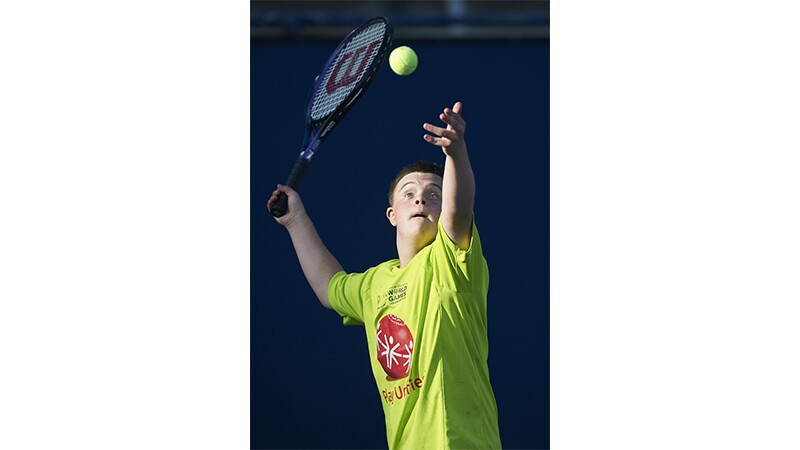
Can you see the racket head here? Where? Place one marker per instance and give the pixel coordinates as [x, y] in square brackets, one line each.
[348, 71]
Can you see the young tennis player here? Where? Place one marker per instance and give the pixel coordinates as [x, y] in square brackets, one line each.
[424, 313]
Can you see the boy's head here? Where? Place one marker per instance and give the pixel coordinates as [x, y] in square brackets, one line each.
[415, 203]
[419, 166]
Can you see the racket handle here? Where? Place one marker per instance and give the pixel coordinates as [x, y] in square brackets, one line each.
[282, 204]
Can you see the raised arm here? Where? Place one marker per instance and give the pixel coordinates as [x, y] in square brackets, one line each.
[318, 264]
[458, 190]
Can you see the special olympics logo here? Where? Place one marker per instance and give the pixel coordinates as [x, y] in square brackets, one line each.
[395, 346]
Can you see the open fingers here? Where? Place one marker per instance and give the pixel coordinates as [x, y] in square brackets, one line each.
[446, 135]
[452, 133]
[439, 141]
[452, 117]
[453, 121]
[439, 131]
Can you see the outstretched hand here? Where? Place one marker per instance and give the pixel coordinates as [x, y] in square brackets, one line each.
[451, 138]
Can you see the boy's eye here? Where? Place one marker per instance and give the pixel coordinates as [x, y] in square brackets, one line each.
[434, 195]
[408, 195]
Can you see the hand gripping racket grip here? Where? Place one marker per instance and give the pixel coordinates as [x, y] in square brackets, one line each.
[282, 204]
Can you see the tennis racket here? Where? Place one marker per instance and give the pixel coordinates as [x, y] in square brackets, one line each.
[342, 81]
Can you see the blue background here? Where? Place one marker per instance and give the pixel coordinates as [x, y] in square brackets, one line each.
[311, 383]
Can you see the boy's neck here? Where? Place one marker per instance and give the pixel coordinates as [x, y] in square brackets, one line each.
[406, 251]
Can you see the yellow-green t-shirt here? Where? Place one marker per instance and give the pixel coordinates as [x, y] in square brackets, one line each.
[426, 330]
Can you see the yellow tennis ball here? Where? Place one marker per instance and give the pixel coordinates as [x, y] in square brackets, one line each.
[403, 60]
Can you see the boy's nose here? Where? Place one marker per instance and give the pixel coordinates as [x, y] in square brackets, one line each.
[421, 200]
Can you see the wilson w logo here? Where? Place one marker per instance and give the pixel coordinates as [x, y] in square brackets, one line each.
[351, 65]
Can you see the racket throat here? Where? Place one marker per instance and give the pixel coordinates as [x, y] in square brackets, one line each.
[309, 151]
[328, 127]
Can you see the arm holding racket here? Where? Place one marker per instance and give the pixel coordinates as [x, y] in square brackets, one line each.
[317, 262]
[458, 184]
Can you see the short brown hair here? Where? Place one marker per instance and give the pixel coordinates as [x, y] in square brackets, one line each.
[418, 166]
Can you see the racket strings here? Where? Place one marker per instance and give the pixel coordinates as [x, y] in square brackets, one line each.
[324, 103]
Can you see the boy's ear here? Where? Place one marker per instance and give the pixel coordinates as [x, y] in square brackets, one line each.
[390, 216]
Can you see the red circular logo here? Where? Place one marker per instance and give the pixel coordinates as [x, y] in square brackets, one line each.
[395, 346]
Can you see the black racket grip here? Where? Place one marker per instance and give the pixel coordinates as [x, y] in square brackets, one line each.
[282, 204]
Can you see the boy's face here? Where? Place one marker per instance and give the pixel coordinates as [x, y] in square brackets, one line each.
[416, 207]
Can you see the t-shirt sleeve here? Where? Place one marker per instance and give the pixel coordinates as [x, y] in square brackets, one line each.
[466, 269]
[346, 292]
